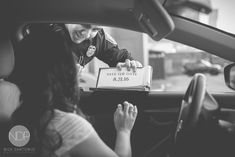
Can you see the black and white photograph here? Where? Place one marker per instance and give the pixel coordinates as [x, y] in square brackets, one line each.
[117, 78]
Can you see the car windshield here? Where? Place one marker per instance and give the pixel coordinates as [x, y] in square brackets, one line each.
[215, 13]
[173, 63]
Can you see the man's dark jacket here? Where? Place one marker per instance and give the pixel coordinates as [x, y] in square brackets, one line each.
[106, 49]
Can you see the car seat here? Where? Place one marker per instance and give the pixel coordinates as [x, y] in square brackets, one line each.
[6, 56]
[9, 92]
[6, 67]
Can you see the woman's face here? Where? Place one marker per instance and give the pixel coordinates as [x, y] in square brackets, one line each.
[78, 33]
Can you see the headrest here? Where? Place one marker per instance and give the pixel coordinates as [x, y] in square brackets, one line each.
[6, 56]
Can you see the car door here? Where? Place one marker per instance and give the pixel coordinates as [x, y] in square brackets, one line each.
[159, 108]
[158, 112]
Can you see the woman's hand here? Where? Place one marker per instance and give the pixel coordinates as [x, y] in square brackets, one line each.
[124, 117]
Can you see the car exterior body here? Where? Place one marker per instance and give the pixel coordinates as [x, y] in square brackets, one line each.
[202, 66]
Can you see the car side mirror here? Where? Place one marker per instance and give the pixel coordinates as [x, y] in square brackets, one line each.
[229, 75]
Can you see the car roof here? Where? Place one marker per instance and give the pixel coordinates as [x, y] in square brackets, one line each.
[128, 14]
[107, 12]
[118, 13]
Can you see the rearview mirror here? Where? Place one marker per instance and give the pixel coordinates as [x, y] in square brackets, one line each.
[229, 75]
[153, 18]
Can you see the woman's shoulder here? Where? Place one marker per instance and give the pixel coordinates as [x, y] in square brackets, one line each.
[73, 129]
[68, 119]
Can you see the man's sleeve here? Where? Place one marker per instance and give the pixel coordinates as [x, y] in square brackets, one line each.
[109, 51]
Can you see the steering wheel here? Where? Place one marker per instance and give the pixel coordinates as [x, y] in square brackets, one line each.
[191, 106]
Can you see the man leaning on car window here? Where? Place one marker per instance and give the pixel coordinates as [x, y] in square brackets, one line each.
[88, 41]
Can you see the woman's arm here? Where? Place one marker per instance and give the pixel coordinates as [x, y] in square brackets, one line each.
[123, 145]
[93, 146]
[124, 119]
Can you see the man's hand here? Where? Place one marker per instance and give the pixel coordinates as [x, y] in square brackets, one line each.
[129, 65]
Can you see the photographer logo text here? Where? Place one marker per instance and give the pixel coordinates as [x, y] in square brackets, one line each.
[19, 136]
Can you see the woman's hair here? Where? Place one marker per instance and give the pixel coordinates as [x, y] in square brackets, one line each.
[46, 75]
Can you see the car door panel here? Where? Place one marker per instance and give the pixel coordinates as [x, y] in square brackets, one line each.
[157, 116]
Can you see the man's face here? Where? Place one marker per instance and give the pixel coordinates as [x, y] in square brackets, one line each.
[78, 33]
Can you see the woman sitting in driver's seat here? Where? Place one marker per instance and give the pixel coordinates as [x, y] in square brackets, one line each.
[46, 74]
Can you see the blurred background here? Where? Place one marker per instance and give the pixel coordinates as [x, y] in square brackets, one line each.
[173, 63]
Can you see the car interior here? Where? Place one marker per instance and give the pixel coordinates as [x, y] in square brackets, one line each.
[193, 123]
